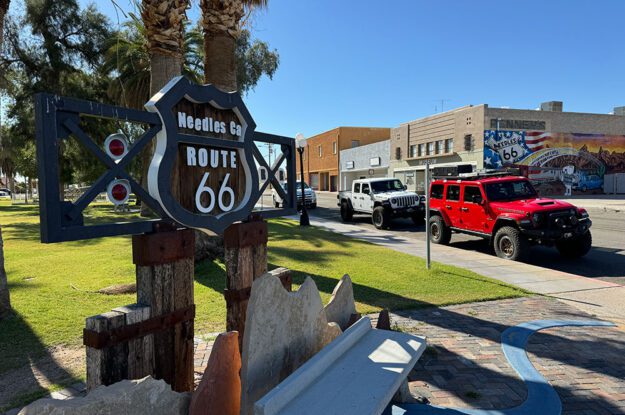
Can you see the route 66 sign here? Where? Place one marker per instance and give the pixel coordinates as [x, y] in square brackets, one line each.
[203, 171]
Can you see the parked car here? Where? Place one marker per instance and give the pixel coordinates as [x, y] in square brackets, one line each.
[383, 199]
[311, 196]
[588, 182]
[507, 211]
[4, 194]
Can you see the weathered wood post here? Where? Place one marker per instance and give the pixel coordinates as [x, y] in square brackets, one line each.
[245, 254]
[164, 261]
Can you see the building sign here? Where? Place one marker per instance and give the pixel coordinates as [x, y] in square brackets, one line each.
[375, 161]
[349, 164]
[517, 124]
[201, 173]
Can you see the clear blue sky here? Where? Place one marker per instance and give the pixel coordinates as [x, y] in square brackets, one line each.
[371, 63]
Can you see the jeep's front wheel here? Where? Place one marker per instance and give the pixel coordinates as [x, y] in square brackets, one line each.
[439, 232]
[510, 244]
[576, 247]
[381, 218]
[346, 212]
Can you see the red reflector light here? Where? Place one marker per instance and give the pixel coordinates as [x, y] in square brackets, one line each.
[116, 147]
[119, 192]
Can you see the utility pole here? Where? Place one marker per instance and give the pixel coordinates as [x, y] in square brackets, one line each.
[427, 214]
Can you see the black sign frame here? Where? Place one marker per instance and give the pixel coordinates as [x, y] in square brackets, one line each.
[57, 118]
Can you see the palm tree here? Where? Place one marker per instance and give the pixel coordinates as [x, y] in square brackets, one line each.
[163, 21]
[221, 20]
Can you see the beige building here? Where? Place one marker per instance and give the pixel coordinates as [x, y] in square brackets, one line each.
[543, 141]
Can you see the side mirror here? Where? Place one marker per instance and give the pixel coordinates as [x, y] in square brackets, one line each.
[365, 191]
[477, 199]
[405, 187]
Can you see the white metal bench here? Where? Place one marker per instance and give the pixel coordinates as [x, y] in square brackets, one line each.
[358, 373]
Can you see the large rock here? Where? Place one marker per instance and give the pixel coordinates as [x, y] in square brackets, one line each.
[145, 396]
[219, 392]
[208, 246]
[342, 307]
[282, 331]
[5, 302]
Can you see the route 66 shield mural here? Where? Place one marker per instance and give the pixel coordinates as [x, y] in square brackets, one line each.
[202, 172]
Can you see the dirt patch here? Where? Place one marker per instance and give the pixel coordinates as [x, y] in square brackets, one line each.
[118, 289]
[61, 365]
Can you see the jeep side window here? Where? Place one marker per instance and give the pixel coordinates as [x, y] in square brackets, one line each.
[453, 192]
[357, 188]
[470, 192]
[365, 188]
[436, 192]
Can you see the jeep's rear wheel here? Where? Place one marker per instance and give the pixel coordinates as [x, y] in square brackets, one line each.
[381, 218]
[346, 212]
[417, 218]
[510, 244]
[576, 247]
[439, 232]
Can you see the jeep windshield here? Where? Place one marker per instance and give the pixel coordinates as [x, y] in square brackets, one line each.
[382, 186]
[509, 190]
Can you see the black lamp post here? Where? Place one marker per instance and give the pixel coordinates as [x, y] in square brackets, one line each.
[300, 143]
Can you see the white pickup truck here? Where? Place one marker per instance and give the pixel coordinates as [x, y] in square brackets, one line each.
[383, 199]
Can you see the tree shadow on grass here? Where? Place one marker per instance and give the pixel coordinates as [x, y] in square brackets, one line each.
[22, 210]
[283, 230]
[24, 359]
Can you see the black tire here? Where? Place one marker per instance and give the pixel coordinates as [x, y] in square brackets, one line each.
[418, 218]
[346, 212]
[381, 218]
[576, 247]
[439, 231]
[510, 244]
[276, 204]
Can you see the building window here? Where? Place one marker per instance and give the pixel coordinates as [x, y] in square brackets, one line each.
[320, 152]
[421, 151]
[439, 147]
[334, 147]
[430, 148]
[397, 153]
[413, 150]
[355, 143]
[468, 142]
[449, 145]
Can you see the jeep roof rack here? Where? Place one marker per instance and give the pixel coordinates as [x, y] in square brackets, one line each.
[482, 174]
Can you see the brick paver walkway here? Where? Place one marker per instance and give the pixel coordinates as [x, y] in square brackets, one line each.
[465, 367]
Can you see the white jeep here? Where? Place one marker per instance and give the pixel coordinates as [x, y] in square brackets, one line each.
[383, 199]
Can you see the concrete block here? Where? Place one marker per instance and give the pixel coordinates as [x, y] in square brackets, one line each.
[282, 331]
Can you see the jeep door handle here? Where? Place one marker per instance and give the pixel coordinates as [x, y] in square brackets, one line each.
[448, 207]
[464, 209]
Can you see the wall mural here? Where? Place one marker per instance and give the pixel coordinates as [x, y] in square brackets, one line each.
[557, 163]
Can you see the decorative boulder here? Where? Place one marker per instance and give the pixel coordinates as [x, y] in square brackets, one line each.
[342, 307]
[282, 331]
[219, 391]
[145, 396]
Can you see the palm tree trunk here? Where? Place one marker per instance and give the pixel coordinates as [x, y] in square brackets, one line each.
[5, 301]
[162, 69]
[220, 67]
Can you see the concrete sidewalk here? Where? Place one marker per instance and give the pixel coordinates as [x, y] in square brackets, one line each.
[594, 202]
[594, 296]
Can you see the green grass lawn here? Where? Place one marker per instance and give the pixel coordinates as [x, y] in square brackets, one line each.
[53, 287]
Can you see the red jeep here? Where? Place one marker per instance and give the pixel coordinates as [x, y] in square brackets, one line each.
[507, 211]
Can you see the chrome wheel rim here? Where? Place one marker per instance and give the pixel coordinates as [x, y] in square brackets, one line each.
[435, 231]
[377, 218]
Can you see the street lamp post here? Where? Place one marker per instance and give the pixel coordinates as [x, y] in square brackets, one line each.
[300, 142]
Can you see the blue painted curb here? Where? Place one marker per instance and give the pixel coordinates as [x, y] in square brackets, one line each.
[542, 398]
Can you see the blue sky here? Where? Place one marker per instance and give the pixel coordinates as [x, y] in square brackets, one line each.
[366, 63]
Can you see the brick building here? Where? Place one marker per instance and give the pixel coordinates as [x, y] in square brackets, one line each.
[322, 153]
